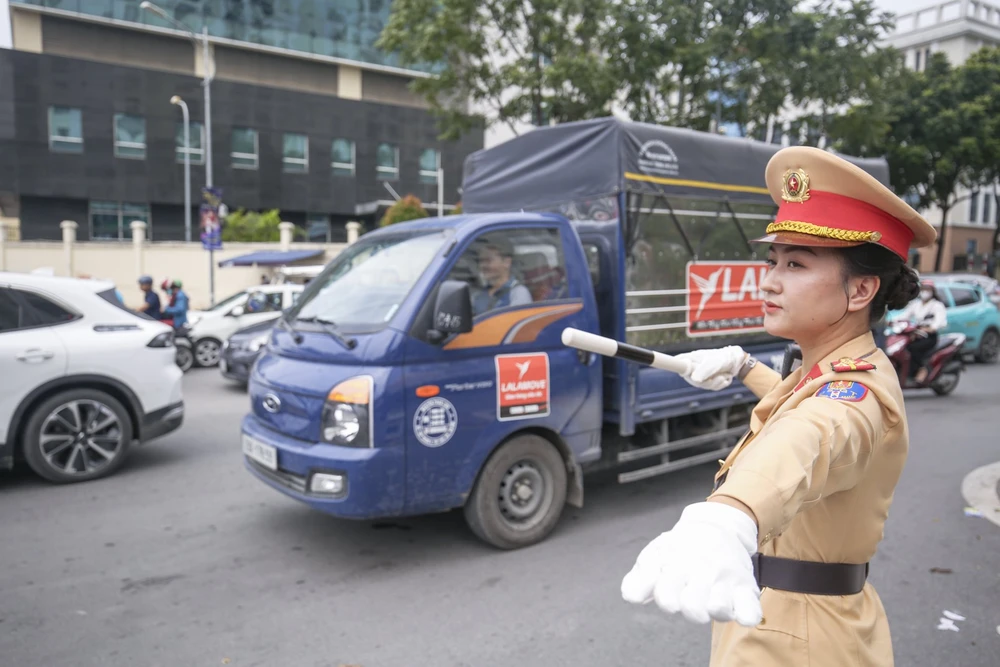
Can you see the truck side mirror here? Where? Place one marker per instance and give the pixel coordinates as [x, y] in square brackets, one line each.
[237, 311]
[452, 310]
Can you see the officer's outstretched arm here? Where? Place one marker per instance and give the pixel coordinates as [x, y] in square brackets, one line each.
[761, 379]
[820, 447]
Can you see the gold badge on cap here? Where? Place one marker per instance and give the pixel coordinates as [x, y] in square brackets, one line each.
[795, 186]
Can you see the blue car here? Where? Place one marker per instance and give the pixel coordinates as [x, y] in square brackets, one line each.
[970, 312]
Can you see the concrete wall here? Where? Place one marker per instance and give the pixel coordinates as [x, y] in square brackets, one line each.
[119, 262]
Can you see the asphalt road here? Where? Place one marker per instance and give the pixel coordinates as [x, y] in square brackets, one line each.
[184, 560]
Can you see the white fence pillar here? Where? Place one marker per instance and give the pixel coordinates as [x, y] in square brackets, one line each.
[286, 229]
[353, 231]
[68, 228]
[138, 228]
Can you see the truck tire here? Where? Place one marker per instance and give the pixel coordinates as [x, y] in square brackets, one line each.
[77, 435]
[519, 495]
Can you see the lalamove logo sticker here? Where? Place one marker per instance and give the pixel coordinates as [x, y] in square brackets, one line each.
[522, 386]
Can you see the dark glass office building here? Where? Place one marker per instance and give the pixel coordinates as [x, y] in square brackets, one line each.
[307, 116]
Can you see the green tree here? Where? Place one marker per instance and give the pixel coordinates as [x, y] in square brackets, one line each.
[683, 62]
[407, 208]
[981, 83]
[244, 226]
[929, 132]
[520, 61]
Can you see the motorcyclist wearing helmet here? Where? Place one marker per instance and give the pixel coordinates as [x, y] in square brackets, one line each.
[930, 316]
[178, 308]
[151, 303]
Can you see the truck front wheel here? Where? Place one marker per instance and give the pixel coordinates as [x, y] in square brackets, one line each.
[520, 493]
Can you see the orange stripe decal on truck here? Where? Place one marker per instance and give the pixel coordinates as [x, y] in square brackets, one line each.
[518, 326]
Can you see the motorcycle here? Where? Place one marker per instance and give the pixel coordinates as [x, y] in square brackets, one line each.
[183, 345]
[944, 362]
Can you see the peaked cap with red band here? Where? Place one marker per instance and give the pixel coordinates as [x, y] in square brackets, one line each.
[824, 200]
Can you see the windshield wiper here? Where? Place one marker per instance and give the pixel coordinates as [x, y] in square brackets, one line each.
[287, 326]
[331, 328]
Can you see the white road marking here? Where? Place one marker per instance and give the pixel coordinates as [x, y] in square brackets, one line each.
[979, 488]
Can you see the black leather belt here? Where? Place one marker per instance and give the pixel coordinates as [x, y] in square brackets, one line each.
[802, 576]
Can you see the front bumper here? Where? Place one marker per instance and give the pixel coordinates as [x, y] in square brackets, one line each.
[236, 364]
[375, 477]
[160, 422]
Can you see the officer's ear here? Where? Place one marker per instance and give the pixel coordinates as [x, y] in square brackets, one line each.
[861, 291]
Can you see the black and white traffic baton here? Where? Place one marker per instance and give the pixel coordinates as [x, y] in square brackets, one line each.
[609, 347]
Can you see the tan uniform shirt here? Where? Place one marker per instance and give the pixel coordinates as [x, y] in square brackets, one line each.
[819, 474]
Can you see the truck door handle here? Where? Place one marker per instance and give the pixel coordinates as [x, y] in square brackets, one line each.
[584, 357]
[34, 354]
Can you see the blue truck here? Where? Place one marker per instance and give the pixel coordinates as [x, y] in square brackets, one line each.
[422, 370]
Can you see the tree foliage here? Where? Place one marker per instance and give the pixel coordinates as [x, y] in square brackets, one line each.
[244, 226]
[407, 208]
[674, 62]
[980, 83]
[931, 126]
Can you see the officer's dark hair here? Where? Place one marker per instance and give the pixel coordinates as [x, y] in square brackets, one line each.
[899, 284]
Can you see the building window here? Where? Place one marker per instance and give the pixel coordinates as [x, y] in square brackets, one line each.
[318, 228]
[197, 139]
[130, 136]
[111, 220]
[343, 157]
[387, 162]
[974, 207]
[430, 162]
[916, 60]
[245, 148]
[65, 130]
[987, 206]
[295, 154]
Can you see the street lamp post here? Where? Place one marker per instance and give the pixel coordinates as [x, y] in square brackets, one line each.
[206, 80]
[176, 100]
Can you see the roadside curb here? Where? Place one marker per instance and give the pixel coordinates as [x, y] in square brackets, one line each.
[981, 490]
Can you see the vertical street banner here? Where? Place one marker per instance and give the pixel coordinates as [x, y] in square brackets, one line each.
[724, 297]
[210, 222]
[522, 386]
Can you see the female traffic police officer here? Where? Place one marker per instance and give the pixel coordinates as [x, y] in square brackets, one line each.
[782, 545]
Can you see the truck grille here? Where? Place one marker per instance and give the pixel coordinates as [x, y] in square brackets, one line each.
[288, 480]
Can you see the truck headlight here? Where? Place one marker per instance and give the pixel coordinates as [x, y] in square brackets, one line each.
[347, 414]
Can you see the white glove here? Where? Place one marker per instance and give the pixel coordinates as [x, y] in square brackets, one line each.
[714, 369]
[701, 567]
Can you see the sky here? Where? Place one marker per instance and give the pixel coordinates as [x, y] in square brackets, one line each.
[894, 6]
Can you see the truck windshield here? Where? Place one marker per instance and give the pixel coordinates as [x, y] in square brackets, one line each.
[361, 289]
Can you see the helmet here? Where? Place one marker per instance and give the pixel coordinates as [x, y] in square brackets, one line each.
[145, 280]
[165, 285]
[177, 283]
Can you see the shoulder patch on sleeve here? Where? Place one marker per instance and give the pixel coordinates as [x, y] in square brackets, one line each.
[840, 390]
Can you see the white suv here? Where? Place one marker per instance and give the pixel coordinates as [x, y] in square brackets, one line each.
[210, 329]
[83, 377]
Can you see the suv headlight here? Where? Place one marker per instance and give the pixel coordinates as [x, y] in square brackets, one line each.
[165, 339]
[347, 414]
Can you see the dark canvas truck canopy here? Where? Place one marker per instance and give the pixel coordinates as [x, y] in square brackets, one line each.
[607, 156]
[685, 205]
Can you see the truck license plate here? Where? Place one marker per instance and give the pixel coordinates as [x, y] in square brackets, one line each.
[266, 455]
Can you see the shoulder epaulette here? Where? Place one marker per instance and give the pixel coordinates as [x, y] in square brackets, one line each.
[847, 365]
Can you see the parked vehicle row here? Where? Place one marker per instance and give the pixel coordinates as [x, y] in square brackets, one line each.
[971, 312]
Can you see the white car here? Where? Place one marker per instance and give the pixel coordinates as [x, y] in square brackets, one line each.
[210, 328]
[84, 378]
